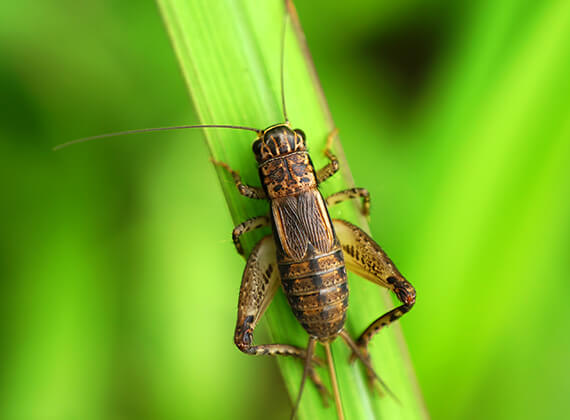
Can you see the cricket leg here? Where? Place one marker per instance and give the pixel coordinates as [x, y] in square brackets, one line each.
[334, 382]
[248, 226]
[365, 359]
[364, 257]
[248, 191]
[332, 168]
[306, 370]
[348, 194]
[258, 287]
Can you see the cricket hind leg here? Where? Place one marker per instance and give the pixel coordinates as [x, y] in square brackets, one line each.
[248, 191]
[365, 258]
[258, 287]
[351, 193]
[365, 359]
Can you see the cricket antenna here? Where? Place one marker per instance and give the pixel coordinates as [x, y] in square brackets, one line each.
[146, 130]
[285, 19]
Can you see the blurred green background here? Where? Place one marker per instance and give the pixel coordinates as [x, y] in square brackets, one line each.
[119, 279]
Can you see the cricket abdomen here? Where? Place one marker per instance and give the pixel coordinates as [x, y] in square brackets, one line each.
[317, 291]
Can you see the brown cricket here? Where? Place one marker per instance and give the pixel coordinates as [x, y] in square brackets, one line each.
[307, 253]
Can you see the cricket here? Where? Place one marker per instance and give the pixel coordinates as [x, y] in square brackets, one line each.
[307, 254]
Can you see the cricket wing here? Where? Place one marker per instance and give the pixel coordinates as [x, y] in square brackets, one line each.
[301, 220]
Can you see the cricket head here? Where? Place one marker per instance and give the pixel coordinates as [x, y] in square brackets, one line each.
[278, 140]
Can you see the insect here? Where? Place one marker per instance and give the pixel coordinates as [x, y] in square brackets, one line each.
[307, 254]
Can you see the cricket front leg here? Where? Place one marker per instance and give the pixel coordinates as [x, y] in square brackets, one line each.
[258, 287]
[248, 191]
[364, 257]
[333, 166]
[349, 194]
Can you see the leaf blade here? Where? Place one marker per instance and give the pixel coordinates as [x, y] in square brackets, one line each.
[229, 55]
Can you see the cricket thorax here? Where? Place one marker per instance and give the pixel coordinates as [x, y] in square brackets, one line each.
[288, 175]
[285, 167]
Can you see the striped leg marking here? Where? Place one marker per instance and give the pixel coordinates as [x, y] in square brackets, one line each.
[248, 226]
[364, 257]
[351, 193]
[258, 287]
[244, 189]
[332, 168]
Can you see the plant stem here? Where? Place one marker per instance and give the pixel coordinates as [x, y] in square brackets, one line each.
[229, 53]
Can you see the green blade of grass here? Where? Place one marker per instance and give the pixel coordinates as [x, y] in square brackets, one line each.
[229, 53]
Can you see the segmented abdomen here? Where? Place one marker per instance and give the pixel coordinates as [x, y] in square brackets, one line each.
[317, 292]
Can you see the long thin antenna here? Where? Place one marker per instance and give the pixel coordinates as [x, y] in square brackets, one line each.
[285, 19]
[146, 130]
[334, 383]
[308, 361]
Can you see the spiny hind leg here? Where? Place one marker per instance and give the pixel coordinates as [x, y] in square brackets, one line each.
[333, 166]
[248, 226]
[351, 193]
[259, 284]
[364, 257]
[244, 189]
[358, 352]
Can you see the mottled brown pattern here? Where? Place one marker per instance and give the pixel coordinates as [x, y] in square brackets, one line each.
[321, 298]
[306, 285]
[287, 175]
[259, 283]
[367, 259]
[292, 269]
[305, 255]
[318, 298]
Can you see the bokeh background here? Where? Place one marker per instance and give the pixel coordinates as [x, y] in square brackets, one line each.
[119, 281]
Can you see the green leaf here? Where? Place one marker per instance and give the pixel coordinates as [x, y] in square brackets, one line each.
[229, 52]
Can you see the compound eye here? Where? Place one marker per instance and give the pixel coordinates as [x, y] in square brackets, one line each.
[256, 147]
[301, 133]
